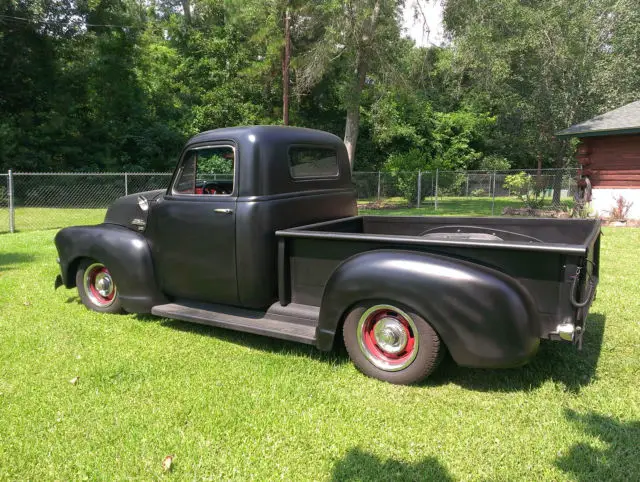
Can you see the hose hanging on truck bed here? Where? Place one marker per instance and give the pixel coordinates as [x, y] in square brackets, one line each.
[574, 288]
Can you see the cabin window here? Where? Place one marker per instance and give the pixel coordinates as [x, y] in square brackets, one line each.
[312, 162]
[206, 171]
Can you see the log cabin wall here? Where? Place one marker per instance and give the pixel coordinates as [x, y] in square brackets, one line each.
[611, 161]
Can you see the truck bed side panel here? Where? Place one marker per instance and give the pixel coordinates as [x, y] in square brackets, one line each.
[485, 318]
[312, 261]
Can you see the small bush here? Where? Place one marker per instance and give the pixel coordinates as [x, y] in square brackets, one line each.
[494, 163]
[451, 183]
[621, 209]
[524, 187]
[404, 167]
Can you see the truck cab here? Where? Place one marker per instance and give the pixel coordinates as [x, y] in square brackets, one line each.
[258, 231]
[231, 191]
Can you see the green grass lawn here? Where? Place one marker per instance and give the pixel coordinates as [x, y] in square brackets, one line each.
[240, 407]
[450, 206]
[31, 219]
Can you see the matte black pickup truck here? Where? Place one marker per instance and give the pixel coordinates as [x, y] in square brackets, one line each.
[258, 231]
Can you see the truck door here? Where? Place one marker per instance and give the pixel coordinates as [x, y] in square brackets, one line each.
[193, 235]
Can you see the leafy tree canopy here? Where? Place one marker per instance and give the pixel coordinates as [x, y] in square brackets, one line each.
[115, 85]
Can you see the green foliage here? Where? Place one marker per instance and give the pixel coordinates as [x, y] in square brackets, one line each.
[127, 92]
[524, 187]
[405, 167]
[541, 66]
[458, 139]
[494, 163]
[215, 164]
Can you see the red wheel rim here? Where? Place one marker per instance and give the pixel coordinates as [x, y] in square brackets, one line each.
[388, 337]
[99, 285]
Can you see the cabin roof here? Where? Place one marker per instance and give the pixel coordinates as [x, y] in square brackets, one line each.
[623, 120]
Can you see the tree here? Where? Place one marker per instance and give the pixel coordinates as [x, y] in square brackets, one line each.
[540, 66]
[361, 32]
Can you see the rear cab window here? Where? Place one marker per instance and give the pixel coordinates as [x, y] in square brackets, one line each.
[310, 162]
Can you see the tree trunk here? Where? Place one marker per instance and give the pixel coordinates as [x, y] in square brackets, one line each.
[557, 188]
[352, 126]
[186, 9]
[557, 180]
[285, 69]
[351, 132]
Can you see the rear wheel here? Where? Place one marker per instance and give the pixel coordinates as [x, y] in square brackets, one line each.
[392, 343]
[96, 287]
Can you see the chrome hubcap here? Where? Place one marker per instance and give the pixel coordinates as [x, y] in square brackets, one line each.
[103, 284]
[390, 335]
[99, 286]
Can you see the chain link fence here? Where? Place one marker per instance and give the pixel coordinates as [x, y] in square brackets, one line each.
[35, 201]
[548, 192]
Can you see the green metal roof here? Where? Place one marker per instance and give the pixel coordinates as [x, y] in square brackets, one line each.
[624, 120]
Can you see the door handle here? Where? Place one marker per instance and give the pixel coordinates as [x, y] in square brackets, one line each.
[223, 211]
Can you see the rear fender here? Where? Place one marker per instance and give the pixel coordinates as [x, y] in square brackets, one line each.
[126, 254]
[484, 317]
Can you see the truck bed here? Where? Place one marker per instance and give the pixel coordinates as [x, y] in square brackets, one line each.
[571, 236]
[543, 255]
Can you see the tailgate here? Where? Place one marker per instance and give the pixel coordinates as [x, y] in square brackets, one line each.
[585, 285]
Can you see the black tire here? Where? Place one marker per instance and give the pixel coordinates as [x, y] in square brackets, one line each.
[419, 363]
[94, 301]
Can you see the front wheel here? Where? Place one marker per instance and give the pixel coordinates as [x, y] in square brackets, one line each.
[96, 287]
[391, 343]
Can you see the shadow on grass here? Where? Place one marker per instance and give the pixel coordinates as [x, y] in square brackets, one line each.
[619, 460]
[8, 259]
[556, 361]
[359, 465]
[337, 356]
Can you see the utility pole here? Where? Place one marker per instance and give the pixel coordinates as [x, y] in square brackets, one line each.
[285, 67]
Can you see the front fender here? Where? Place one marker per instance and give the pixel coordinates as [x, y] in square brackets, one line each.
[485, 318]
[126, 254]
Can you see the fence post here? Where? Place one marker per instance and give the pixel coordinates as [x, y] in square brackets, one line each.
[419, 188]
[12, 213]
[467, 190]
[378, 185]
[435, 203]
[126, 184]
[432, 185]
[493, 194]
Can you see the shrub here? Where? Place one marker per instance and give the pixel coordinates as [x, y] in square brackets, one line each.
[524, 187]
[451, 183]
[494, 163]
[405, 167]
[621, 209]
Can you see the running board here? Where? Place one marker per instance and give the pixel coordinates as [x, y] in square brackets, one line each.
[292, 322]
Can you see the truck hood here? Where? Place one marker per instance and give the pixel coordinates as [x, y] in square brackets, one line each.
[125, 211]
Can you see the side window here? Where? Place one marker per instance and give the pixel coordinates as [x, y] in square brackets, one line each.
[207, 171]
[312, 162]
